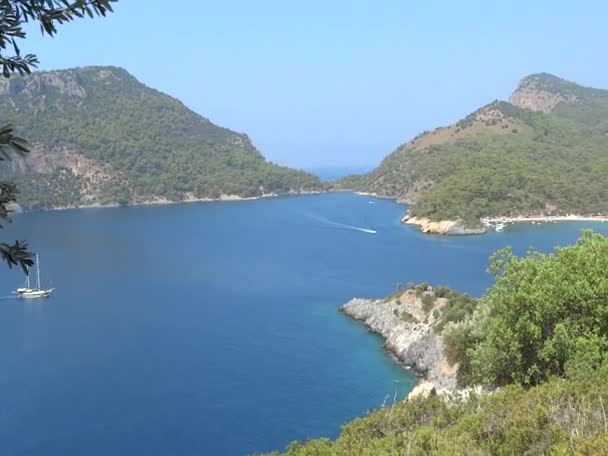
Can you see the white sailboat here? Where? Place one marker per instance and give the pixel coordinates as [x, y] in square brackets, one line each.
[38, 292]
[27, 286]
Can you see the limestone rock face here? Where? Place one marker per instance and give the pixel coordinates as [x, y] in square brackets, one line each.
[446, 227]
[66, 83]
[535, 100]
[542, 93]
[415, 344]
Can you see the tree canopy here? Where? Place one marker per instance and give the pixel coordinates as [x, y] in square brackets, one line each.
[546, 315]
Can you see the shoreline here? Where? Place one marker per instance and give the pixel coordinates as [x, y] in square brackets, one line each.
[442, 227]
[374, 195]
[488, 221]
[426, 225]
[456, 228]
[413, 345]
[166, 202]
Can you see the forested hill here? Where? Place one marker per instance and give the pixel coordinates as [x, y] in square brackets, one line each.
[100, 136]
[544, 152]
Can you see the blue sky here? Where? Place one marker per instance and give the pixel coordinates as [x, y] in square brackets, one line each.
[337, 83]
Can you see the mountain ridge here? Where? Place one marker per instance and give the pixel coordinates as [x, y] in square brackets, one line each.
[99, 136]
[541, 153]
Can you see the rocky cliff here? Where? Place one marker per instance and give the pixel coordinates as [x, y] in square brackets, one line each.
[444, 227]
[542, 93]
[409, 334]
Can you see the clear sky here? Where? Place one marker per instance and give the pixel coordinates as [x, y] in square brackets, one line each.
[343, 82]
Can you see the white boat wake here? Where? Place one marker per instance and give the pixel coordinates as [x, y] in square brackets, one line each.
[341, 225]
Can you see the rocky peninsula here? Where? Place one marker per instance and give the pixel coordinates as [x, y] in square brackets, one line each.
[456, 228]
[411, 324]
[445, 227]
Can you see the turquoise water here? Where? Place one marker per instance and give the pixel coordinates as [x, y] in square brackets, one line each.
[213, 328]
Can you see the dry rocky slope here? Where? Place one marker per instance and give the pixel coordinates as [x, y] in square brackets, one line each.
[540, 154]
[444, 227]
[411, 334]
[98, 136]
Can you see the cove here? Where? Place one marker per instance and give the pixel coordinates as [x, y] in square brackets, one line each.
[213, 328]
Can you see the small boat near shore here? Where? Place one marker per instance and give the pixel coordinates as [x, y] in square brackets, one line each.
[28, 292]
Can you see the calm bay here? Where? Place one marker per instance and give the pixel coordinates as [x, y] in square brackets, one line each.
[213, 328]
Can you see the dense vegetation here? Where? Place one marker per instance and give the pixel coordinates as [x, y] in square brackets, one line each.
[557, 418]
[546, 315]
[541, 335]
[503, 160]
[440, 305]
[101, 136]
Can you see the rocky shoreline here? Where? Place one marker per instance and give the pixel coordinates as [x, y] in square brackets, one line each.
[413, 342]
[456, 228]
[161, 201]
[444, 227]
[428, 226]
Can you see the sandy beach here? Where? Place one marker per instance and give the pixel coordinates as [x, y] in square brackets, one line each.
[545, 219]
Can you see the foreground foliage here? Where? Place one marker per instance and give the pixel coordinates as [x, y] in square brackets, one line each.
[559, 418]
[546, 315]
[540, 334]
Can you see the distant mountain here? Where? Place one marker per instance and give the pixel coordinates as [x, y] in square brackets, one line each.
[544, 152]
[99, 136]
[332, 173]
[549, 94]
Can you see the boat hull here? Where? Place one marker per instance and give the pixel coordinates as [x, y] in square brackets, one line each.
[35, 294]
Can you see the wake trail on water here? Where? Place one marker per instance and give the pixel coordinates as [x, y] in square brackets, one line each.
[342, 226]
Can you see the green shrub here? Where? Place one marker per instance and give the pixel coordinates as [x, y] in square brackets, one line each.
[557, 418]
[443, 292]
[427, 302]
[408, 317]
[456, 309]
[546, 314]
[422, 286]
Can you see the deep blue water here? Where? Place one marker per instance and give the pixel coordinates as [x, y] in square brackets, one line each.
[213, 329]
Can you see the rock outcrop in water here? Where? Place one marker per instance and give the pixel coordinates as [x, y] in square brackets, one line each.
[446, 227]
[410, 337]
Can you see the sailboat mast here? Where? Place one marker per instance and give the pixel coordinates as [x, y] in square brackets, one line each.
[38, 271]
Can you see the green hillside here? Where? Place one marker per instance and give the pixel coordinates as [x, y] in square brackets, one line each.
[100, 136]
[546, 153]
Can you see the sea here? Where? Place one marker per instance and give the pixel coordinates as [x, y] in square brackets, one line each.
[214, 328]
